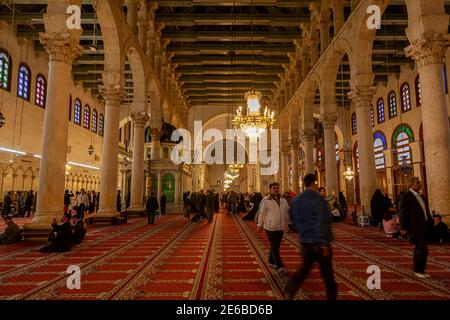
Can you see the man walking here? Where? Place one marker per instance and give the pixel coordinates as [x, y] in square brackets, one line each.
[273, 217]
[311, 215]
[82, 202]
[152, 206]
[415, 219]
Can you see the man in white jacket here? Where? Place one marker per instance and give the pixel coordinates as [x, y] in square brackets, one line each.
[273, 216]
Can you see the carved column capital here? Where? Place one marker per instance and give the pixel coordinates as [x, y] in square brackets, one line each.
[328, 120]
[112, 94]
[307, 134]
[362, 95]
[139, 118]
[61, 47]
[430, 49]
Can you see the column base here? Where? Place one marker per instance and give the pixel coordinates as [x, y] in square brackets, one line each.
[36, 231]
[139, 211]
[112, 217]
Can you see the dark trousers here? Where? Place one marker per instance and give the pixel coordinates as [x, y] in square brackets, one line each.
[80, 211]
[312, 253]
[420, 254]
[275, 238]
[151, 217]
[27, 211]
[209, 214]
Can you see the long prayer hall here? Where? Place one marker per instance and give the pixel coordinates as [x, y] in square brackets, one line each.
[208, 149]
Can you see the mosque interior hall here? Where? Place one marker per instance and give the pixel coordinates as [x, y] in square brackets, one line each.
[158, 129]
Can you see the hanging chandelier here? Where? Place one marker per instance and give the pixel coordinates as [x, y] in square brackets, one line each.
[231, 174]
[348, 174]
[253, 123]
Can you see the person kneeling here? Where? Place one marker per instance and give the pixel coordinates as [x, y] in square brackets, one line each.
[10, 235]
[440, 232]
[60, 238]
[390, 225]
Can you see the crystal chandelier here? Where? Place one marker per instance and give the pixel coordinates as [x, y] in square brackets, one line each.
[230, 174]
[253, 123]
[348, 174]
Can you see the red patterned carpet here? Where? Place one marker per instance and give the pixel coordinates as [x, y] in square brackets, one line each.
[227, 259]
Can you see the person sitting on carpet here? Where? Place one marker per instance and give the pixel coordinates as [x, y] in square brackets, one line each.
[9, 236]
[440, 234]
[60, 238]
[79, 230]
[390, 225]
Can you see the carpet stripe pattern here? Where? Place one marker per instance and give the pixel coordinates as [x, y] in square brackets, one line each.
[227, 259]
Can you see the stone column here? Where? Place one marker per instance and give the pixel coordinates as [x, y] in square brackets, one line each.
[324, 35]
[328, 122]
[284, 169]
[132, 14]
[62, 50]
[142, 34]
[156, 144]
[159, 191]
[338, 15]
[429, 53]
[151, 47]
[109, 164]
[308, 142]
[137, 173]
[361, 97]
[295, 163]
[305, 65]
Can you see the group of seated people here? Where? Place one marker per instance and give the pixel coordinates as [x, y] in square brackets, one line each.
[439, 234]
[62, 238]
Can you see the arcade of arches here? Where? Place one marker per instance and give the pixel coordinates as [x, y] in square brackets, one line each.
[95, 108]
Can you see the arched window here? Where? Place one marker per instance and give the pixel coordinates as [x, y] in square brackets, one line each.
[41, 90]
[406, 99]
[23, 82]
[401, 139]
[417, 87]
[356, 156]
[372, 116]
[87, 117]
[392, 100]
[380, 110]
[77, 112]
[94, 121]
[5, 70]
[354, 124]
[100, 124]
[379, 145]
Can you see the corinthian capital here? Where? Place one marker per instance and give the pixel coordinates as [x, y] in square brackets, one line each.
[307, 134]
[328, 120]
[112, 94]
[60, 47]
[139, 118]
[362, 95]
[429, 49]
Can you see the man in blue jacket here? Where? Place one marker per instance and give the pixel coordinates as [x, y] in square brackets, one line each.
[311, 215]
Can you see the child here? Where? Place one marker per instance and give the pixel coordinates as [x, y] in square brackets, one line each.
[390, 225]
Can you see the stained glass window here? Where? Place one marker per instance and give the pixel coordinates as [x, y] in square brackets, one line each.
[77, 112]
[418, 95]
[94, 121]
[100, 124]
[5, 70]
[380, 109]
[392, 99]
[401, 139]
[372, 116]
[23, 83]
[406, 98]
[379, 145]
[41, 90]
[354, 124]
[87, 117]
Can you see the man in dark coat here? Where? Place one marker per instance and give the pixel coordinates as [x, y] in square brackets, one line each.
[163, 203]
[152, 206]
[9, 236]
[209, 205]
[415, 219]
[118, 202]
[7, 201]
[61, 237]
[79, 230]
[311, 216]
